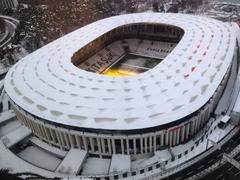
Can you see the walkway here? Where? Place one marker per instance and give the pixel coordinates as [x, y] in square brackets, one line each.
[11, 25]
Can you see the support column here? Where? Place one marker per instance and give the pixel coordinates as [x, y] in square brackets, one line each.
[141, 144]
[43, 131]
[78, 141]
[154, 142]
[66, 139]
[211, 106]
[99, 147]
[162, 139]
[31, 126]
[199, 122]
[196, 124]
[109, 146]
[208, 112]
[192, 126]
[201, 118]
[103, 146]
[122, 146]
[52, 135]
[167, 138]
[113, 145]
[47, 133]
[58, 138]
[39, 130]
[174, 137]
[61, 139]
[36, 127]
[85, 143]
[145, 144]
[22, 118]
[178, 135]
[150, 143]
[91, 144]
[134, 146]
[127, 142]
[183, 133]
[187, 130]
[27, 122]
[170, 138]
[71, 140]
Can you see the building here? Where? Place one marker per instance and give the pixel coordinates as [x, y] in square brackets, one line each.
[6, 4]
[130, 84]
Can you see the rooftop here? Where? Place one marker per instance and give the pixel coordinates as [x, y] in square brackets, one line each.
[46, 83]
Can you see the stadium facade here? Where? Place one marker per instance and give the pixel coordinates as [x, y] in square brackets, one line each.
[130, 84]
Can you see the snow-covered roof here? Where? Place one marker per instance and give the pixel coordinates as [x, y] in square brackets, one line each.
[120, 162]
[73, 161]
[46, 83]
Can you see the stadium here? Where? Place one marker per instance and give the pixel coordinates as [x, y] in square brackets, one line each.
[130, 84]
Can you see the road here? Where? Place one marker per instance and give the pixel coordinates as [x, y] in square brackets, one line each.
[10, 24]
[10, 32]
[210, 160]
[227, 171]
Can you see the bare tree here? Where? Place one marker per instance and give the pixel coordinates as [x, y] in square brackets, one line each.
[2, 25]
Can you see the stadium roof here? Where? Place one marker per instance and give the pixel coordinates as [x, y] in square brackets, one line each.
[46, 83]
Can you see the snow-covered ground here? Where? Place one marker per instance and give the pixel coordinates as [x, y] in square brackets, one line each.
[39, 158]
[95, 166]
[73, 161]
[9, 127]
[15, 136]
[51, 149]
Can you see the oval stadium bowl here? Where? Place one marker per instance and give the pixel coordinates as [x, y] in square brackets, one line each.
[124, 77]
